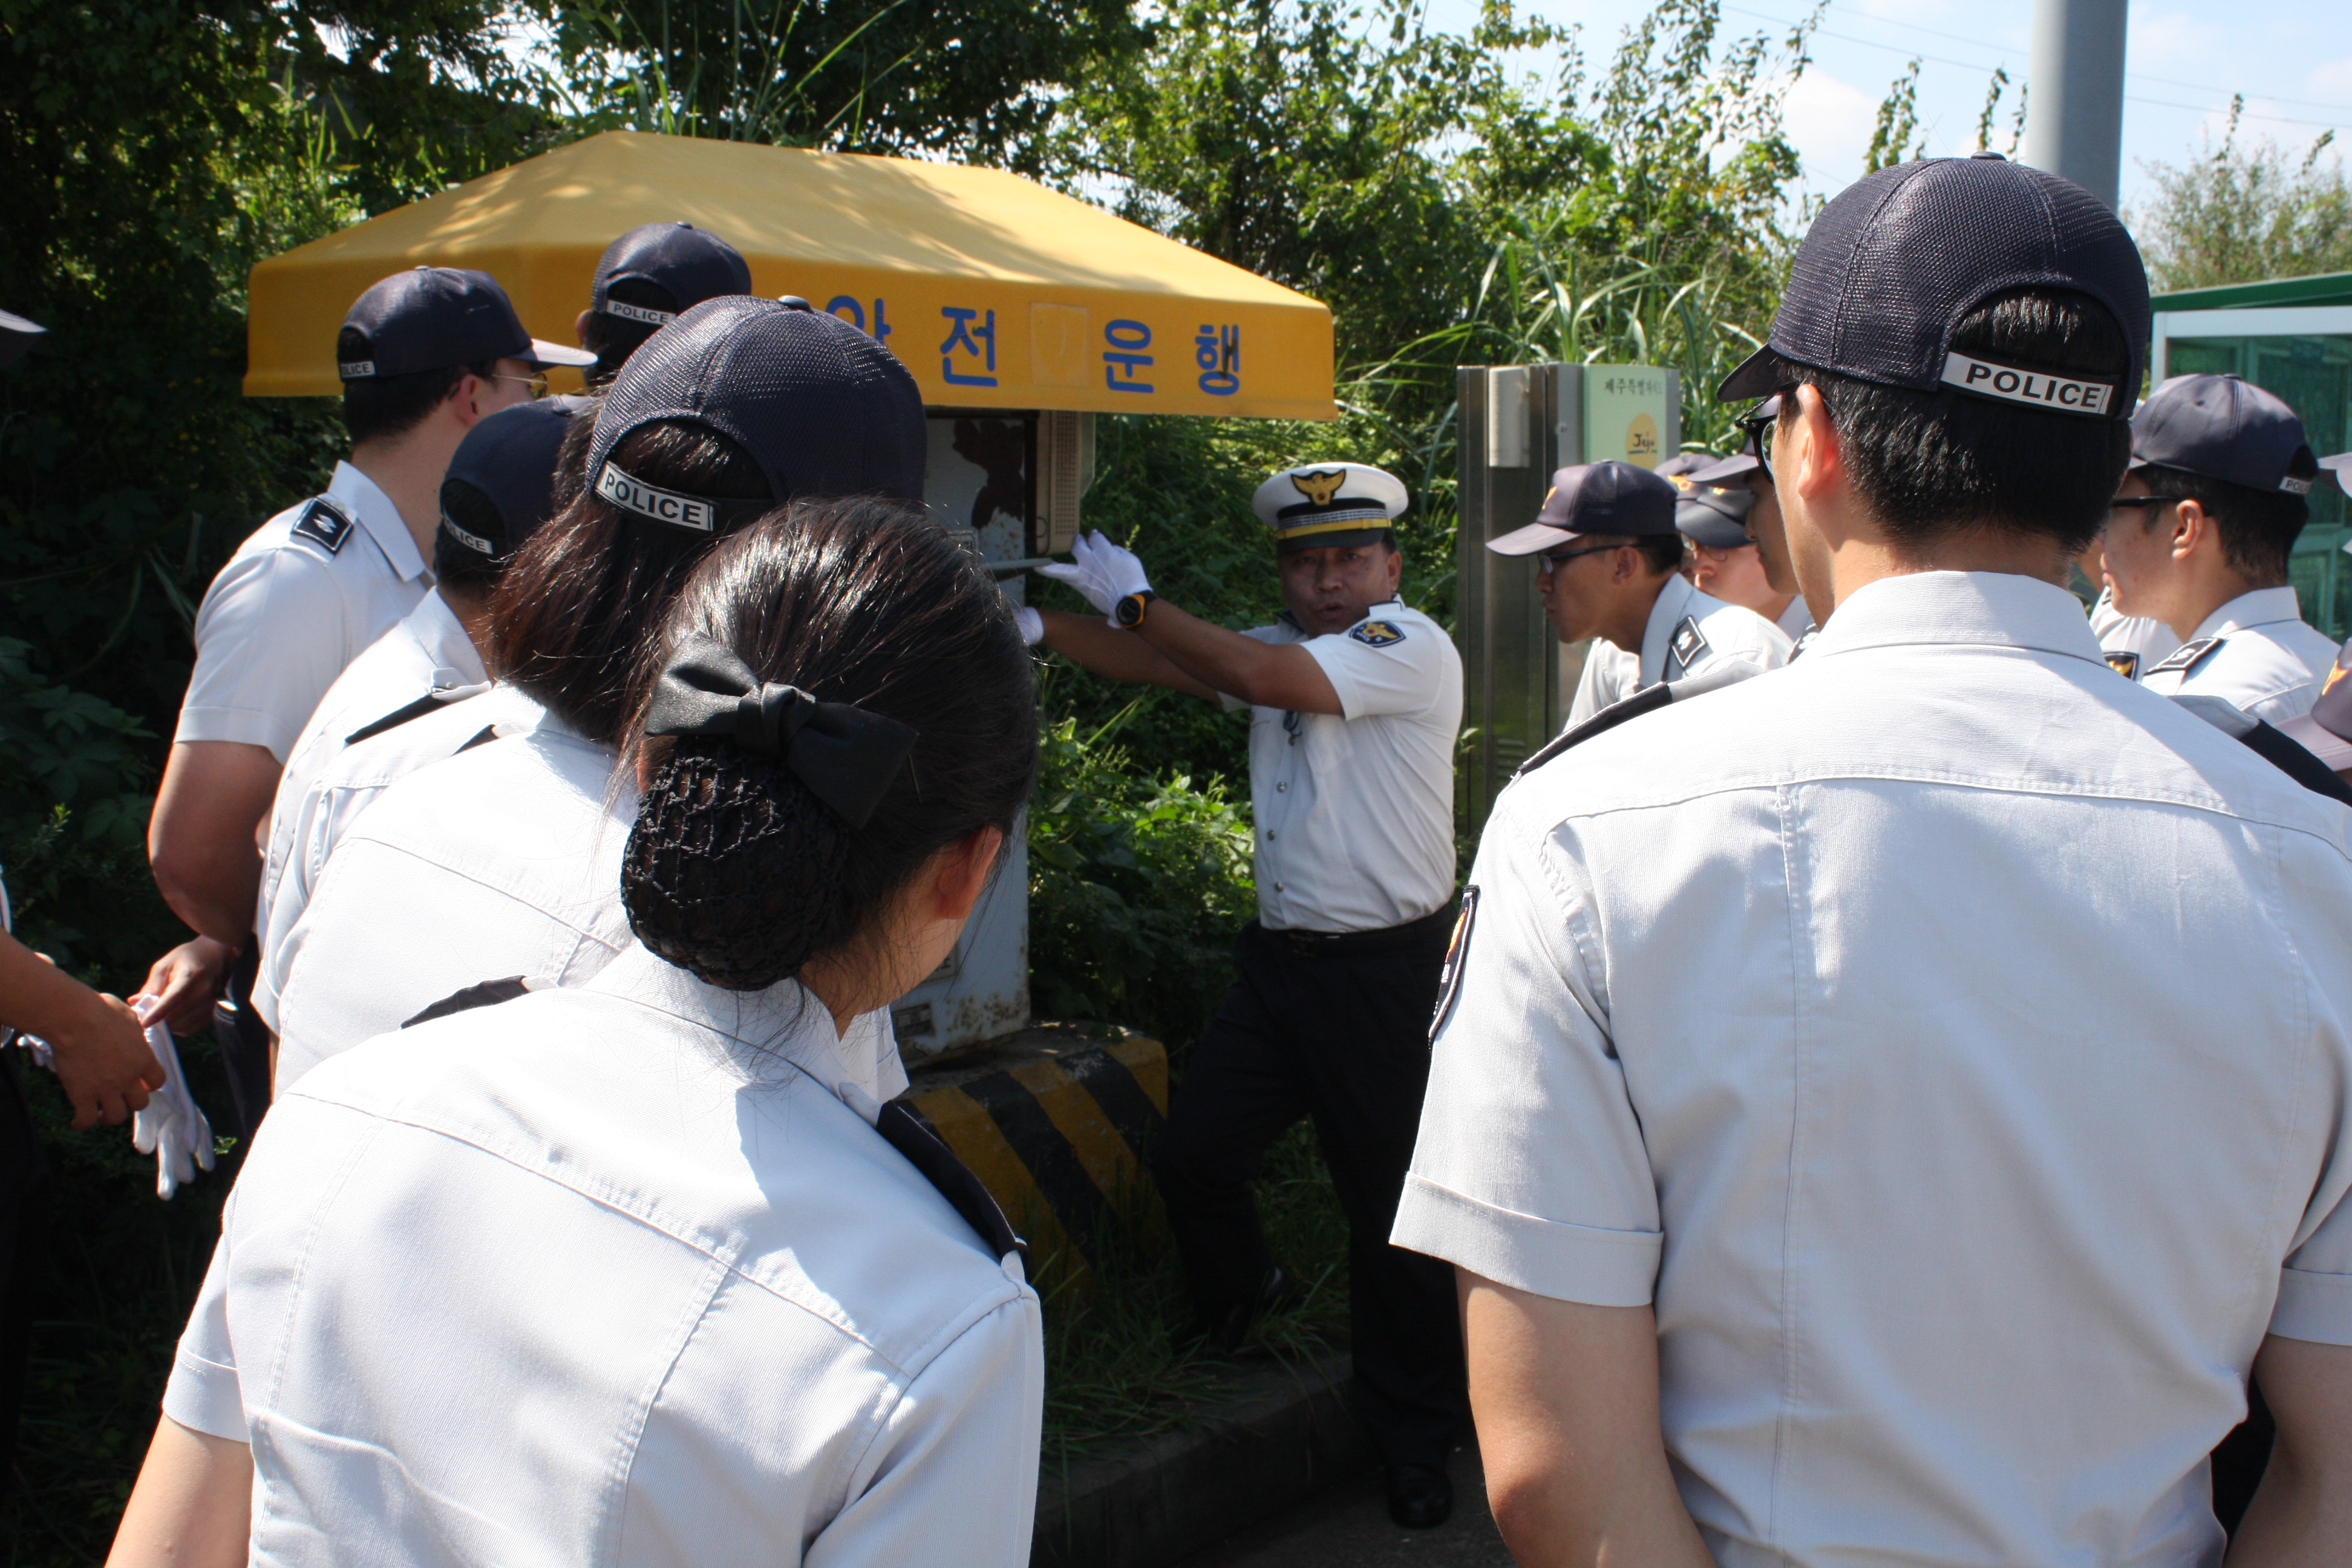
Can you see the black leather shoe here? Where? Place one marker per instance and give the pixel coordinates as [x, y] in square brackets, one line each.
[1221, 1333]
[1420, 1496]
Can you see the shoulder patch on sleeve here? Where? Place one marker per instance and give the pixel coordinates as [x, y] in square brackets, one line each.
[1449, 977]
[1378, 633]
[2123, 661]
[2187, 657]
[1689, 645]
[324, 523]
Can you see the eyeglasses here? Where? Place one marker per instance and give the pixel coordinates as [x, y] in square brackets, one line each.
[2151, 501]
[537, 382]
[1553, 560]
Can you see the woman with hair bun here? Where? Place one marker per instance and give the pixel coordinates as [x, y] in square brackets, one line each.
[498, 865]
[634, 1273]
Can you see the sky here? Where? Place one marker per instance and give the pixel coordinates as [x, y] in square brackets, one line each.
[2291, 59]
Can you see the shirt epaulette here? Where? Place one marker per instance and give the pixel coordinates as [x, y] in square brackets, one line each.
[1648, 701]
[2187, 657]
[325, 524]
[953, 1178]
[487, 994]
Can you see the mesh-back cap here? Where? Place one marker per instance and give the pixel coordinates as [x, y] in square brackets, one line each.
[510, 458]
[429, 318]
[1603, 498]
[2224, 428]
[824, 409]
[688, 265]
[1898, 257]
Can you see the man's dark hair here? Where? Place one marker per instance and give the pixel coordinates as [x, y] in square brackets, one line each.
[613, 339]
[572, 616]
[1932, 463]
[389, 405]
[735, 870]
[2258, 528]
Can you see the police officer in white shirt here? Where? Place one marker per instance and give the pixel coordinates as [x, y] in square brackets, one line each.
[1608, 550]
[1355, 701]
[423, 356]
[498, 864]
[644, 279]
[637, 1274]
[1898, 1242]
[1725, 561]
[2200, 539]
[502, 484]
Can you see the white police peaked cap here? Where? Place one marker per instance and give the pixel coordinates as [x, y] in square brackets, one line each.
[1319, 504]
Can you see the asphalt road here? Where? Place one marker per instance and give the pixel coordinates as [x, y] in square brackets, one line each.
[1347, 1527]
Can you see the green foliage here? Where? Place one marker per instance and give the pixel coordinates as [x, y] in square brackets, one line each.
[2242, 213]
[1897, 138]
[1137, 884]
[973, 79]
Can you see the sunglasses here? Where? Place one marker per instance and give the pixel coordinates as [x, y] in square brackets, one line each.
[537, 383]
[1553, 560]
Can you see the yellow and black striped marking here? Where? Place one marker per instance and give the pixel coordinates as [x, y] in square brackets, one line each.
[1059, 1141]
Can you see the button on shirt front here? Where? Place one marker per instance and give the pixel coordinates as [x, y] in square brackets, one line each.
[613, 1276]
[1355, 810]
[1612, 675]
[287, 613]
[2269, 662]
[1955, 1260]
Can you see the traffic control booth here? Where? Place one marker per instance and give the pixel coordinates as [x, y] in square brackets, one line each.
[2291, 336]
[1024, 315]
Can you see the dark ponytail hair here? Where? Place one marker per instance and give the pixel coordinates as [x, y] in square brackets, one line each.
[572, 616]
[734, 870]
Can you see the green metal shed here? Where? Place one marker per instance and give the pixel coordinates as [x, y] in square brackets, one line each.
[2293, 336]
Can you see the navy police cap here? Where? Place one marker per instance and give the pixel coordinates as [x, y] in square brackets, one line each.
[824, 409]
[682, 264]
[2223, 428]
[430, 317]
[1898, 259]
[1595, 498]
[508, 460]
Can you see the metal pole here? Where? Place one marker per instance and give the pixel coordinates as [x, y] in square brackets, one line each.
[2074, 105]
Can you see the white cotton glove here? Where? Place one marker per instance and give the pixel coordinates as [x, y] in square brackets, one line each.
[1032, 624]
[172, 1128]
[1104, 573]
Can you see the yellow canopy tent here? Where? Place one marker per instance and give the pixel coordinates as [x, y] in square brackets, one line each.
[994, 290]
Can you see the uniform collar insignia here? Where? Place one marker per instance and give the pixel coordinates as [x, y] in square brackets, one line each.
[2187, 657]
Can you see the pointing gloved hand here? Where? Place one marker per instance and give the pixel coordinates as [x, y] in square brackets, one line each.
[1104, 573]
[172, 1127]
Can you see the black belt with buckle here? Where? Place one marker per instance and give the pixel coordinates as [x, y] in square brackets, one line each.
[1338, 944]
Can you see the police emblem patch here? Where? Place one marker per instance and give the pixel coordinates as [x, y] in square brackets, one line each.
[1690, 644]
[324, 523]
[2124, 662]
[2187, 657]
[1378, 633]
[1320, 486]
[1449, 976]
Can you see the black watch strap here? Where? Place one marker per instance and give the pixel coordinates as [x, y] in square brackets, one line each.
[1132, 609]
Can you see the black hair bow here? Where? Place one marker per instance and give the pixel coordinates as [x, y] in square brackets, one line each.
[845, 755]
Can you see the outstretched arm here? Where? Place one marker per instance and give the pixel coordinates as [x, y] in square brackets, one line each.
[1122, 655]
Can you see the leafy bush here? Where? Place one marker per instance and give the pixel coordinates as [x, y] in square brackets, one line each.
[1137, 886]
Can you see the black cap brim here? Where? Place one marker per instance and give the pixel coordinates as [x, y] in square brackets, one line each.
[1755, 378]
[1702, 524]
[1732, 469]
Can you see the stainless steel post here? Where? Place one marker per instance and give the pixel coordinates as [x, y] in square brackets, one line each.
[2075, 102]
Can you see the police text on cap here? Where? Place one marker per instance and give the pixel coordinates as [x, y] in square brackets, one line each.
[628, 312]
[2037, 389]
[626, 490]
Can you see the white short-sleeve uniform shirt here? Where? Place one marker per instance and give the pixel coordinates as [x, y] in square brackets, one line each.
[2134, 642]
[1795, 620]
[613, 1276]
[1355, 811]
[304, 595]
[1689, 633]
[504, 859]
[305, 830]
[1956, 1259]
[428, 650]
[2255, 652]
